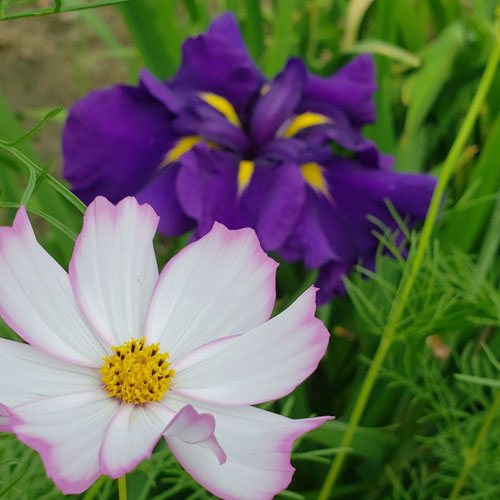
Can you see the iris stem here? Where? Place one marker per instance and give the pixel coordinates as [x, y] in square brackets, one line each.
[122, 487]
[471, 455]
[414, 264]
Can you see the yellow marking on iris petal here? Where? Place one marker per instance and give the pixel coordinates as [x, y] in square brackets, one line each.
[222, 106]
[265, 89]
[183, 145]
[313, 175]
[305, 120]
[245, 172]
[137, 373]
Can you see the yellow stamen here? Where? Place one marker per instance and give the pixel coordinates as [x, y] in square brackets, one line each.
[222, 106]
[305, 120]
[245, 172]
[183, 145]
[137, 373]
[313, 175]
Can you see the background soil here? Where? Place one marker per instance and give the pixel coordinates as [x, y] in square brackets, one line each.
[52, 61]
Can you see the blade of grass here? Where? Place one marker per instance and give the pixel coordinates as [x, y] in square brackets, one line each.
[282, 25]
[52, 10]
[464, 229]
[355, 13]
[254, 36]
[154, 28]
[422, 89]
[385, 49]
[51, 114]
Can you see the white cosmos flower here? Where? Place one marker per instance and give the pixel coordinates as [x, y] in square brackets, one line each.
[85, 407]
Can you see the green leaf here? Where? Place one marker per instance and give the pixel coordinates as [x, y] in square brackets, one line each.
[421, 91]
[370, 443]
[385, 49]
[154, 28]
[487, 382]
[467, 226]
[279, 49]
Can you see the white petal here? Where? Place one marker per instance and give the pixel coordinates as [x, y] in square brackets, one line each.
[27, 374]
[191, 427]
[67, 431]
[131, 436]
[265, 363]
[222, 284]
[36, 299]
[4, 419]
[113, 269]
[257, 443]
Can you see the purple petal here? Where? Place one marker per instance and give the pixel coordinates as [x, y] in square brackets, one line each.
[203, 120]
[336, 233]
[343, 134]
[160, 91]
[357, 192]
[113, 141]
[277, 195]
[271, 203]
[279, 102]
[330, 281]
[217, 61]
[308, 240]
[349, 90]
[207, 187]
[161, 194]
[282, 150]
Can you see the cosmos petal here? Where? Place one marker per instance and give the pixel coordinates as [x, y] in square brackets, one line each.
[68, 432]
[27, 374]
[191, 427]
[131, 436]
[113, 269]
[225, 272]
[260, 365]
[257, 443]
[36, 299]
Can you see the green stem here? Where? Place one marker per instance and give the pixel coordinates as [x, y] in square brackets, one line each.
[415, 263]
[122, 487]
[55, 10]
[52, 181]
[471, 456]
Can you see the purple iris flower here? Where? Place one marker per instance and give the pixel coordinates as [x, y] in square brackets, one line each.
[219, 142]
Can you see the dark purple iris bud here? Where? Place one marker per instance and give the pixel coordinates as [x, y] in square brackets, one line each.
[219, 142]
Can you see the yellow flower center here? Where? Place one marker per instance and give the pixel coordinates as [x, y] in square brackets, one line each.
[137, 373]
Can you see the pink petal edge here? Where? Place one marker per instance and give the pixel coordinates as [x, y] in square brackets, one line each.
[230, 235]
[44, 448]
[22, 228]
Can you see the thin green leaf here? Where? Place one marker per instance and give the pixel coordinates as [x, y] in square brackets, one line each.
[385, 49]
[51, 114]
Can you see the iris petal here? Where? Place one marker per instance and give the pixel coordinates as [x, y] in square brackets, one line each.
[279, 102]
